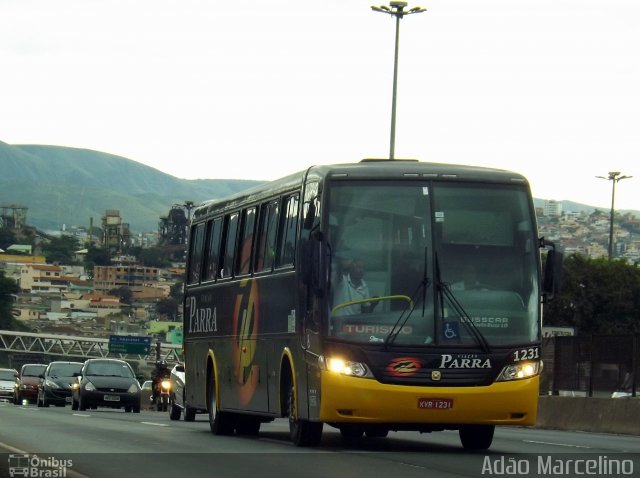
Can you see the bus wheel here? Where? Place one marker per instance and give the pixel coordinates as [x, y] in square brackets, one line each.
[221, 423]
[303, 432]
[476, 437]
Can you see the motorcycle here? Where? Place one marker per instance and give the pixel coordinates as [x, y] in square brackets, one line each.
[160, 399]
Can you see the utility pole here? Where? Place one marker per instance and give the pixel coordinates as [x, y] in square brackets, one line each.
[396, 9]
[614, 177]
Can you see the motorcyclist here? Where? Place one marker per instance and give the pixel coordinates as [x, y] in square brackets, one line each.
[158, 374]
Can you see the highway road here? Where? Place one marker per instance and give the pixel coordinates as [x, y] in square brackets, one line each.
[110, 443]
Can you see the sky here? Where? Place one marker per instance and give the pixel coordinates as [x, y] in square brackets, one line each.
[258, 90]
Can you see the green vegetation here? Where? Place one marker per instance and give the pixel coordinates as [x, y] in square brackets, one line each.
[70, 186]
[597, 296]
[7, 288]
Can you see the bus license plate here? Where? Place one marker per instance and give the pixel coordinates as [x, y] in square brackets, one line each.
[111, 398]
[435, 403]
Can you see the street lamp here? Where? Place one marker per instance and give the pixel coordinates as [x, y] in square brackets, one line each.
[396, 9]
[614, 177]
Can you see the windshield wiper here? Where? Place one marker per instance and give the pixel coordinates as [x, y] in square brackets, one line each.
[445, 291]
[411, 306]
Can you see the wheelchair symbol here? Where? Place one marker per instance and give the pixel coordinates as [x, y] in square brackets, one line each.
[449, 331]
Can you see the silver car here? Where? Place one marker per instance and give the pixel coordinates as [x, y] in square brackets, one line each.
[177, 397]
[8, 382]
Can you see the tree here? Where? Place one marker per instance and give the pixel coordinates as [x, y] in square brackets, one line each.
[95, 257]
[7, 287]
[153, 257]
[123, 293]
[7, 238]
[176, 291]
[61, 250]
[167, 307]
[597, 296]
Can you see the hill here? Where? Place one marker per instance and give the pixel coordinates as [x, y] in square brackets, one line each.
[68, 186]
[61, 185]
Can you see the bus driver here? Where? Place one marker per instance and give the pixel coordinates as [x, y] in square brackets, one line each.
[351, 287]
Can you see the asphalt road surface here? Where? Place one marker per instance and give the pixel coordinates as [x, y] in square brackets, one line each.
[104, 443]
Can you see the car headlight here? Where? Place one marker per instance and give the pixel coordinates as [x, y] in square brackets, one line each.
[133, 388]
[51, 384]
[89, 387]
[344, 367]
[520, 370]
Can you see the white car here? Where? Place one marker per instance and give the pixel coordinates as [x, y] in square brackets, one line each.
[177, 397]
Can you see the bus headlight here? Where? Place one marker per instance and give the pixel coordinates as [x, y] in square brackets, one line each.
[345, 367]
[520, 370]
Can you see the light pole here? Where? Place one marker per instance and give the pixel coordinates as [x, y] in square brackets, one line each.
[614, 177]
[396, 9]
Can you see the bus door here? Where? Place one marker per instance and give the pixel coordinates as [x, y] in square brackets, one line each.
[312, 296]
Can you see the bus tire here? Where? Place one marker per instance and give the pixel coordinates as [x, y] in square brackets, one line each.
[476, 437]
[303, 432]
[221, 423]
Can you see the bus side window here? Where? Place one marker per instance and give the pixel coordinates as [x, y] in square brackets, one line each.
[196, 244]
[231, 231]
[213, 249]
[288, 230]
[265, 250]
[243, 265]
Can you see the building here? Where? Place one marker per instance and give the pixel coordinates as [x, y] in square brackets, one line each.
[115, 233]
[138, 279]
[552, 208]
[42, 278]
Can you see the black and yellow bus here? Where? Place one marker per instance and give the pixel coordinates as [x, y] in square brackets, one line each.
[443, 332]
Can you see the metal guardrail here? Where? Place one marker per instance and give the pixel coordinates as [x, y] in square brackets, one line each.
[74, 346]
[591, 365]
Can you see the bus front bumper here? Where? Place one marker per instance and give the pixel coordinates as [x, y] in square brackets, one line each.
[347, 399]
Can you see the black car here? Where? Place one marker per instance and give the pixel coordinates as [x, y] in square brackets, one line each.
[106, 383]
[55, 383]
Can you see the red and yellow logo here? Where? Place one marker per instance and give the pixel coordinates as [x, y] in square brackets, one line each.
[246, 318]
[403, 366]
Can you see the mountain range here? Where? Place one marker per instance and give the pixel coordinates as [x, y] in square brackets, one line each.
[69, 186]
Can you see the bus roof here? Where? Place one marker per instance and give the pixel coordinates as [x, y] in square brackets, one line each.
[365, 169]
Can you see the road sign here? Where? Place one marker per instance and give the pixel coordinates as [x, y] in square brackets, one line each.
[129, 344]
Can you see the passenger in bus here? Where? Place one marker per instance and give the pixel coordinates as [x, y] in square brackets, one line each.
[352, 287]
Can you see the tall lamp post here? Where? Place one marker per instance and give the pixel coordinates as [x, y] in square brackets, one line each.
[614, 177]
[396, 9]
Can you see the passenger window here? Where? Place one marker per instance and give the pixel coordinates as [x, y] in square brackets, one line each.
[289, 227]
[212, 261]
[230, 246]
[196, 245]
[243, 266]
[265, 251]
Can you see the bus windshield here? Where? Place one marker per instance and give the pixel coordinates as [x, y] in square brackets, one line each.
[430, 263]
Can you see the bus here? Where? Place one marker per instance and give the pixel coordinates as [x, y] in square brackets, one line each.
[444, 332]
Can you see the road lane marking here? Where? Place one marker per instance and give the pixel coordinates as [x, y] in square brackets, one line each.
[555, 444]
[80, 414]
[155, 424]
